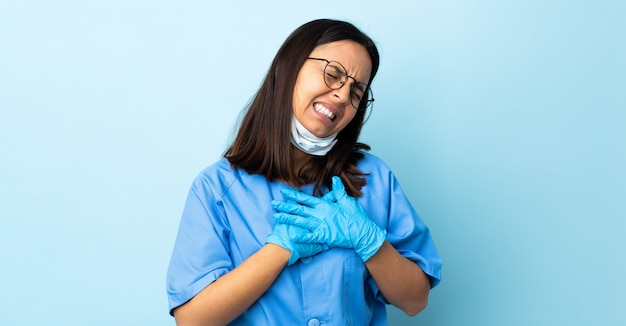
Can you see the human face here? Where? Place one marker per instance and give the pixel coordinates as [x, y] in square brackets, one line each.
[321, 110]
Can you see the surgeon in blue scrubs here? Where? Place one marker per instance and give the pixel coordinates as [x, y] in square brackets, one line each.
[298, 224]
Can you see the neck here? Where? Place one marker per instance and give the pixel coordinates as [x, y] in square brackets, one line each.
[299, 159]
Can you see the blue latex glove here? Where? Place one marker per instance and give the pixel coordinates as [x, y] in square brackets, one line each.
[290, 237]
[336, 219]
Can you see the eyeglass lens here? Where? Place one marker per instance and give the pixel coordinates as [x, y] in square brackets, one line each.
[335, 76]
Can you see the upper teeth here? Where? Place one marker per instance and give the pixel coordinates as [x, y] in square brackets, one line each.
[320, 108]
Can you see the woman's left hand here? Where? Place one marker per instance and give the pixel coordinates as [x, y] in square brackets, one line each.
[336, 219]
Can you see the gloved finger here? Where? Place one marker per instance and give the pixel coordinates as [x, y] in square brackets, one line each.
[288, 207]
[310, 224]
[300, 197]
[293, 208]
[312, 237]
[341, 196]
[329, 197]
[338, 187]
[311, 249]
[320, 247]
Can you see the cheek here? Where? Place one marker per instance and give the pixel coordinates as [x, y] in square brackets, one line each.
[297, 99]
[347, 118]
[294, 100]
[301, 95]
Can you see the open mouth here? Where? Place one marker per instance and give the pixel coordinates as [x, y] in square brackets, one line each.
[323, 110]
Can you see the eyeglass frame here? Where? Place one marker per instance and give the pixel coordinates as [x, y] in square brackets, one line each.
[367, 90]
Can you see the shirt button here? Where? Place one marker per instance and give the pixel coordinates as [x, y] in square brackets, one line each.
[314, 322]
[307, 260]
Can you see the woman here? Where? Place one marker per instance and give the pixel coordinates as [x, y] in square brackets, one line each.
[297, 224]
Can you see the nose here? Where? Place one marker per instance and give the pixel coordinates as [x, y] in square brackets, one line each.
[342, 94]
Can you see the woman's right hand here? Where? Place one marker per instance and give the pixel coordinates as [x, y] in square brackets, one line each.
[289, 237]
[336, 219]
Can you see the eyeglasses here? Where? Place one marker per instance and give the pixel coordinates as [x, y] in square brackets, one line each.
[335, 76]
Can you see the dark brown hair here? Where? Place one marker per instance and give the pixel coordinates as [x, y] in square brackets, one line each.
[263, 146]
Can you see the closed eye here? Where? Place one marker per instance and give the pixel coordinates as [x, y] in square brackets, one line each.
[358, 89]
[332, 77]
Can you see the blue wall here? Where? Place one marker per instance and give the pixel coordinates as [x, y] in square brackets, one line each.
[504, 121]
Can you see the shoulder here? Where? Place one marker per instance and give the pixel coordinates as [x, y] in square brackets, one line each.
[221, 167]
[216, 178]
[372, 164]
[380, 178]
[221, 179]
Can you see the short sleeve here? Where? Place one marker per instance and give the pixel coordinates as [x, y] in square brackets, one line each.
[387, 205]
[200, 254]
[409, 235]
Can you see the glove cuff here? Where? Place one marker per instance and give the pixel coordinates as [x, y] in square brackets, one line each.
[371, 243]
[280, 241]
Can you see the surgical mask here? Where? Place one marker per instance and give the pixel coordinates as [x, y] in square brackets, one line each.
[308, 142]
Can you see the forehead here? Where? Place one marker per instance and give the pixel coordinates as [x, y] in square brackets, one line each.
[350, 54]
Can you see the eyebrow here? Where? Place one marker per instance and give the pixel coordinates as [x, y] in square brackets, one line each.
[362, 86]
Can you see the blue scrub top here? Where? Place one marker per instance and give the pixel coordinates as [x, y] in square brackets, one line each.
[228, 216]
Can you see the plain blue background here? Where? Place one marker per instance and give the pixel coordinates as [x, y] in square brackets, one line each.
[504, 121]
